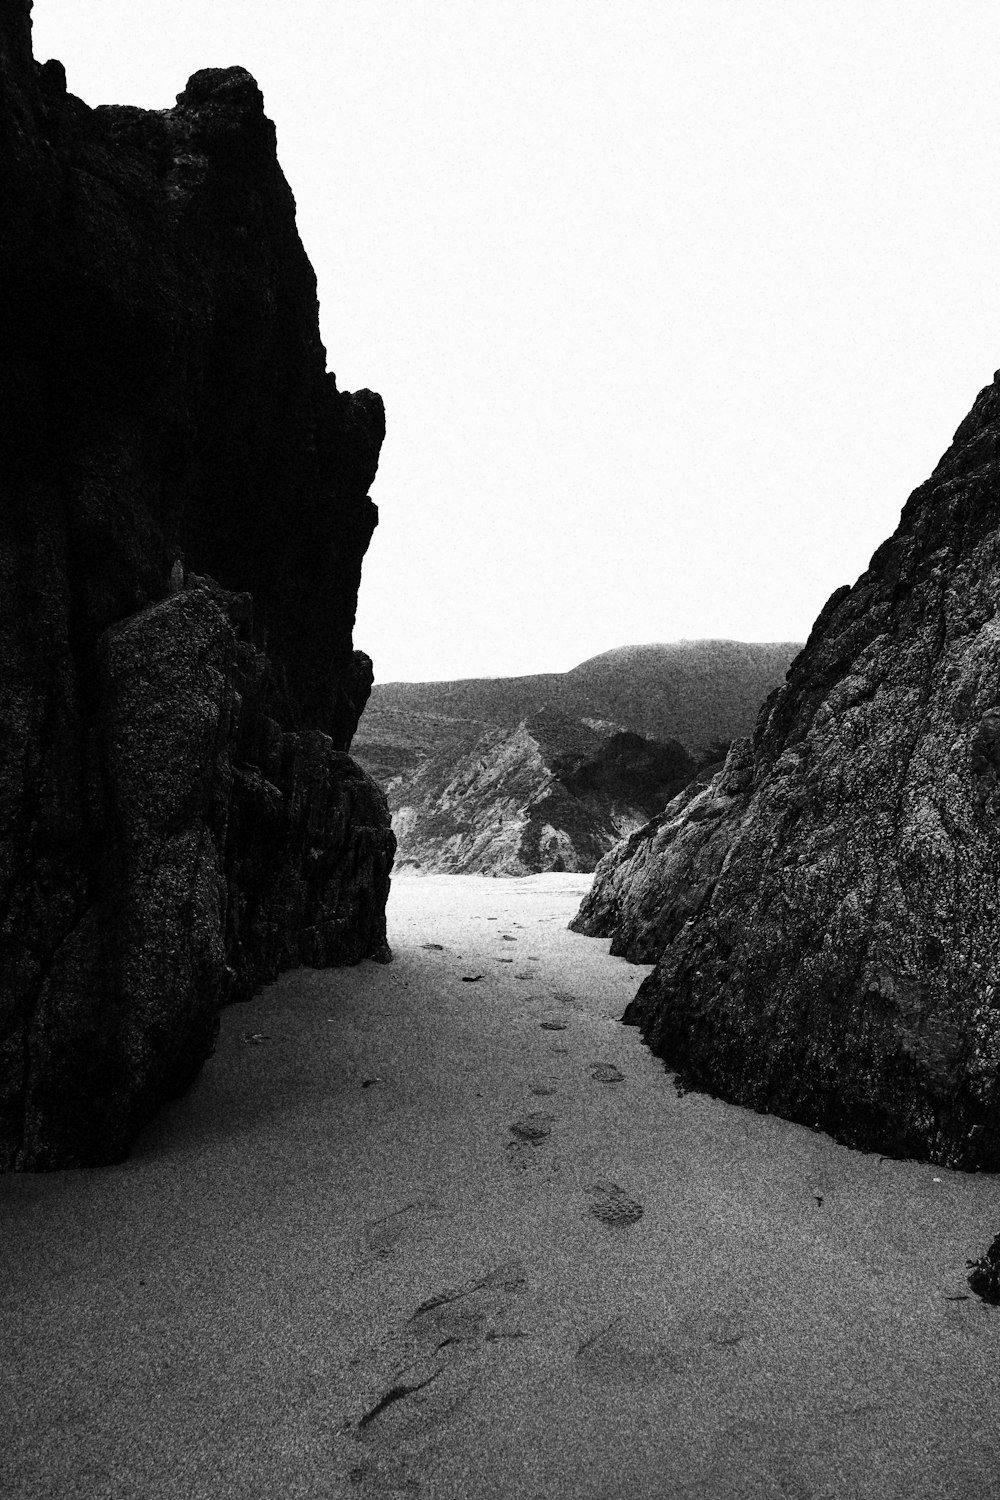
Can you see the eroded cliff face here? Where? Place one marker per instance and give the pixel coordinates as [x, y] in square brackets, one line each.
[826, 915]
[184, 513]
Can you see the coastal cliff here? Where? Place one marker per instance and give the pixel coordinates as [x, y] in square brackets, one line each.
[825, 915]
[185, 512]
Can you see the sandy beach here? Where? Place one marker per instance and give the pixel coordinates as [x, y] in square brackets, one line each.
[445, 1228]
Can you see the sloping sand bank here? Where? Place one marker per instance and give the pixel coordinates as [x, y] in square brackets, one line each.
[420, 1233]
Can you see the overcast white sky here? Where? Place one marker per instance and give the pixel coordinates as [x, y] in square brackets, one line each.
[671, 304]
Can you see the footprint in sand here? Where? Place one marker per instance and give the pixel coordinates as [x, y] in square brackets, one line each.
[625, 1350]
[543, 1087]
[528, 1132]
[533, 1127]
[440, 1354]
[472, 1299]
[648, 1350]
[612, 1205]
[605, 1072]
[384, 1235]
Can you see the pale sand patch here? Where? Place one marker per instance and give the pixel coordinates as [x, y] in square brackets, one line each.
[410, 1234]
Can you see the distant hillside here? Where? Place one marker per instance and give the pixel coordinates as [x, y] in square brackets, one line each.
[698, 692]
[512, 774]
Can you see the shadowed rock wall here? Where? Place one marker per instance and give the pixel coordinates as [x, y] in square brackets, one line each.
[183, 516]
[826, 915]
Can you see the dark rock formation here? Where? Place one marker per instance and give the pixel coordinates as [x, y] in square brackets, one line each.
[651, 884]
[184, 513]
[552, 793]
[826, 915]
[984, 1276]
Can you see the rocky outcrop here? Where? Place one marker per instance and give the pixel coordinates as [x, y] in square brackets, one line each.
[651, 884]
[552, 793]
[184, 516]
[826, 915]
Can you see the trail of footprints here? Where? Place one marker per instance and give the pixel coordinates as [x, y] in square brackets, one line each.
[450, 1338]
[447, 1344]
[608, 1202]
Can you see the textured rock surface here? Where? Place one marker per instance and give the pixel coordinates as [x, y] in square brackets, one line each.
[651, 884]
[826, 914]
[183, 519]
[552, 793]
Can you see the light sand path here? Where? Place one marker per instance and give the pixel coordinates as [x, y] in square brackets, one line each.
[391, 1245]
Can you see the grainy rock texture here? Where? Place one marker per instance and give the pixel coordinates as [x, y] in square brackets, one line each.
[649, 885]
[184, 514]
[551, 793]
[826, 915]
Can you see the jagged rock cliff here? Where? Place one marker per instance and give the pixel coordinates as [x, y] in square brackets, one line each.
[551, 793]
[826, 915]
[184, 514]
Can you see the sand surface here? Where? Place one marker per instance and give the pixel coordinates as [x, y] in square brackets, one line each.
[411, 1235]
